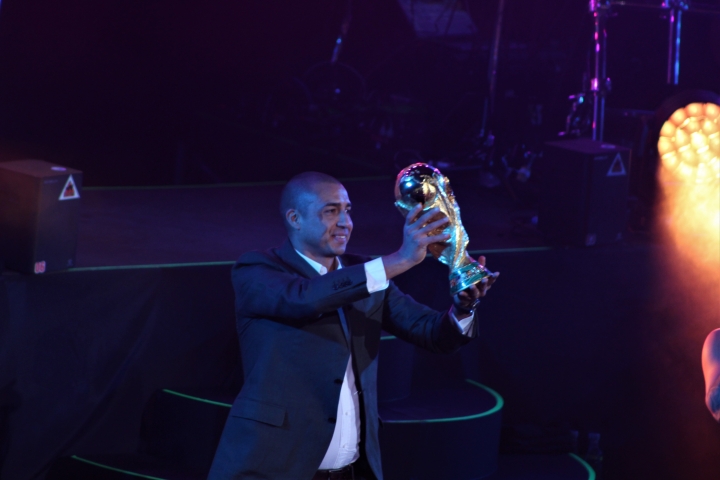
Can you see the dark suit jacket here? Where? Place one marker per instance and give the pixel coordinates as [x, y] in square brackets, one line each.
[292, 325]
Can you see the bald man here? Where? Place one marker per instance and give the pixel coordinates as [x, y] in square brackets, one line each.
[711, 370]
[309, 318]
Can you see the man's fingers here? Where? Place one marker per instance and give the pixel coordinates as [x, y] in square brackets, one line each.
[487, 283]
[468, 296]
[426, 217]
[425, 241]
[434, 225]
[481, 260]
[472, 292]
[413, 214]
[463, 295]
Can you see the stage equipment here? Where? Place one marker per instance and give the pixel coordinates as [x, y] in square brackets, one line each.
[600, 84]
[583, 200]
[489, 104]
[423, 184]
[334, 84]
[39, 213]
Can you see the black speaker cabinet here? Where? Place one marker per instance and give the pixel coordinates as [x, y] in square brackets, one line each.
[39, 213]
[584, 192]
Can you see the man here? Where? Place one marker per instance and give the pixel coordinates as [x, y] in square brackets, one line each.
[711, 370]
[309, 319]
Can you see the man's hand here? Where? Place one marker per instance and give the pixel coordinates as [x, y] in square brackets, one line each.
[466, 300]
[419, 232]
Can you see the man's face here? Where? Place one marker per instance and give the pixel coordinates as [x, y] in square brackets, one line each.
[325, 223]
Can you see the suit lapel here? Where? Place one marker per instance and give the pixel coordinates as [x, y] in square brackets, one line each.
[290, 257]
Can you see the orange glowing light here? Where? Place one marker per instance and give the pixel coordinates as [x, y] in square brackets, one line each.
[689, 143]
[712, 111]
[689, 177]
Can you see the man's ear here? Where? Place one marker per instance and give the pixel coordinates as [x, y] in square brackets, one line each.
[293, 219]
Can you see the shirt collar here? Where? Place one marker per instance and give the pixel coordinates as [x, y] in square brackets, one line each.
[317, 266]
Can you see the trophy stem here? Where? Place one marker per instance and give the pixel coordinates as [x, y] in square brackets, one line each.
[467, 275]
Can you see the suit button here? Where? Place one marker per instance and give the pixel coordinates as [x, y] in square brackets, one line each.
[331, 419]
[337, 381]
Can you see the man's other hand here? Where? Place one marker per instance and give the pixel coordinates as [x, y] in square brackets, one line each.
[467, 299]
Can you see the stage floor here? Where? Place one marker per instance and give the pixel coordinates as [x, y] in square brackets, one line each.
[201, 224]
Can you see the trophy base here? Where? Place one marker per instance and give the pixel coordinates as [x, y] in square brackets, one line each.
[467, 276]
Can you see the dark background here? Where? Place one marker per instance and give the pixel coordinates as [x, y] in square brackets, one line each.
[187, 92]
[161, 92]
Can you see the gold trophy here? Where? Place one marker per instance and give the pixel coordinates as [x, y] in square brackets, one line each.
[424, 184]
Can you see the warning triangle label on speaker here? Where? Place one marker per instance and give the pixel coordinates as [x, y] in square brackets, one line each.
[70, 190]
[617, 167]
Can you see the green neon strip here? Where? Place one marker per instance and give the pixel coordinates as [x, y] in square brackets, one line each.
[510, 250]
[185, 187]
[499, 402]
[367, 179]
[591, 471]
[269, 183]
[497, 250]
[156, 265]
[197, 399]
[388, 337]
[107, 467]
[232, 262]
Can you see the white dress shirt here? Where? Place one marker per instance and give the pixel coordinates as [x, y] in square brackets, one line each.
[343, 449]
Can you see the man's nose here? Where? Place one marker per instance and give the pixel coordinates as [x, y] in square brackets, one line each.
[345, 220]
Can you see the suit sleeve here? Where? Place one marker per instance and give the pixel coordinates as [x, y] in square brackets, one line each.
[420, 325]
[268, 291]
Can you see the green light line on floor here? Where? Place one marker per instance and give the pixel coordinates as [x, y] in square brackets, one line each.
[499, 402]
[388, 337]
[232, 262]
[156, 265]
[509, 250]
[186, 187]
[197, 399]
[591, 471]
[107, 467]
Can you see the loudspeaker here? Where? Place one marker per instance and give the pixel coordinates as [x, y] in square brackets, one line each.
[39, 213]
[584, 190]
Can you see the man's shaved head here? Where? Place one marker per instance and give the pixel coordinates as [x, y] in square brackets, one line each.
[316, 209]
[299, 191]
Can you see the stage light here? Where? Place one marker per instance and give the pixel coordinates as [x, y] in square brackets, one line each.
[689, 143]
[689, 180]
